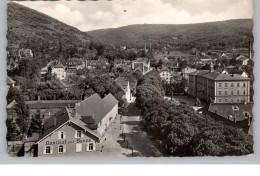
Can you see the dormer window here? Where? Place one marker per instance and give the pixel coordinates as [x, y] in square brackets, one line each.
[235, 108]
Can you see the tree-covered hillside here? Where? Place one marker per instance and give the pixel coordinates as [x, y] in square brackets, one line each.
[232, 33]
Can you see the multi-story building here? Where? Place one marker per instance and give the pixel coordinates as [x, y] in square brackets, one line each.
[216, 87]
[166, 75]
[59, 71]
[75, 64]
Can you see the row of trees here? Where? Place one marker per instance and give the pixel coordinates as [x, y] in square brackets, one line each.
[183, 131]
[16, 128]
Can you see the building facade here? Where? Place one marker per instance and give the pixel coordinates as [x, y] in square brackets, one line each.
[59, 71]
[65, 134]
[166, 75]
[216, 87]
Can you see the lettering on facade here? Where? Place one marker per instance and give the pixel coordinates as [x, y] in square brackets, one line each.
[67, 142]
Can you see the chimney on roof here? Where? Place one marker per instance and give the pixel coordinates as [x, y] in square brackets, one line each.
[211, 67]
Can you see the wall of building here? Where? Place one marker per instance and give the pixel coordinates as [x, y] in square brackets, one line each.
[69, 142]
[166, 76]
[232, 91]
[107, 120]
[59, 72]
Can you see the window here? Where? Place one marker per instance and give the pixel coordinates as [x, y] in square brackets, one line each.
[238, 84]
[220, 84]
[47, 150]
[219, 92]
[244, 84]
[78, 147]
[232, 92]
[62, 135]
[226, 84]
[90, 146]
[244, 92]
[237, 92]
[225, 100]
[238, 100]
[226, 92]
[78, 134]
[231, 100]
[219, 100]
[61, 149]
[232, 84]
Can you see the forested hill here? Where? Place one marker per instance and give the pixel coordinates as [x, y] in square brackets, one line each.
[45, 36]
[231, 32]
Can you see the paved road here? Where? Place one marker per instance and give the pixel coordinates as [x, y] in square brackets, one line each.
[138, 139]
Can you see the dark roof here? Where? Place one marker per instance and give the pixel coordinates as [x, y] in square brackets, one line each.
[60, 118]
[199, 72]
[122, 82]
[222, 77]
[235, 110]
[50, 104]
[96, 107]
[9, 81]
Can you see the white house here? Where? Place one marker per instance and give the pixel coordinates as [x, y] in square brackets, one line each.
[166, 76]
[59, 71]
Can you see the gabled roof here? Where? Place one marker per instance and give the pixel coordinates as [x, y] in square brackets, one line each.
[11, 105]
[59, 65]
[122, 82]
[9, 81]
[241, 58]
[96, 107]
[61, 118]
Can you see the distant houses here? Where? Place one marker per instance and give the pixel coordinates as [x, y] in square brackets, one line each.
[75, 64]
[10, 110]
[9, 83]
[141, 64]
[235, 70]
[242, 60]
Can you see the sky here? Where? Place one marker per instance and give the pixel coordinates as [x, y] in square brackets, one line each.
[92, 15]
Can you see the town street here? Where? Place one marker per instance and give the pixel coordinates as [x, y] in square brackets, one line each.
[118, 145]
